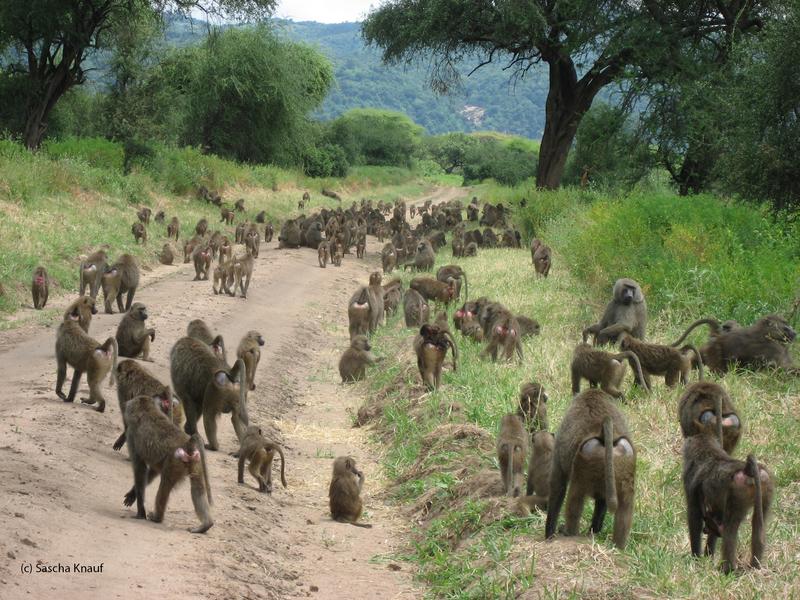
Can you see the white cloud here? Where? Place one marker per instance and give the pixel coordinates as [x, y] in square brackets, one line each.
[325, 11]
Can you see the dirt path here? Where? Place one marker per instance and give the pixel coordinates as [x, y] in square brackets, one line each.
[62, 484]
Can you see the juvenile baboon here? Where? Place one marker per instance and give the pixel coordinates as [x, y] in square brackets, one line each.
[698, 410]
[290, 235]
[503, 332]
[306, 197]
[239, 205]
[448, 272]
[201, 227]
[415, 308]
[81, 311]
[471, 249]
[224, 277]
[666, 361]
[201, 256]
[431, 289]
[471, 328]
[144, 215]
[134, 380]
[133, 338]
[533, 406]
[190, 246]
[157, 447]
[430, 346]
[120, 278]
[207, 387]
[174, 228]
[250, 352]
[627, 307]
[344, 493]
[511, 239]
[412, 211]
[160, 216]
[763, 344]
[259, 453]
[593, 454]
[243, 271]
[166, 257]
[423, 258]
[489, 238]
[539, 467]
[269, 231]
[323, 253]
[139, 233]
[354, 361]
[91, 273]
[392, 296]
[512, 449]
[603, 368]
[337, 253]
[361, 246]
[252, 242]
[74, 347]
[241, 229]
[388, 257]
[720, 491]
[542, 259]
[375, 301]
[40, 287]
[528, 326]
[261, 217]
[458, 246]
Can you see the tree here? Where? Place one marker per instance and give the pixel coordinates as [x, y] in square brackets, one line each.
[586, 45]
[47, 42]
[449, 150]
[376, 137]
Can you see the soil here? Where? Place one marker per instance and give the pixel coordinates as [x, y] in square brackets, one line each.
[62, 484]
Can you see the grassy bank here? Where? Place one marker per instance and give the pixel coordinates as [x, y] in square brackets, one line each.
[469, 543]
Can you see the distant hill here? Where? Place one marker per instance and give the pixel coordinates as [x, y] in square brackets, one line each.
[488, 100]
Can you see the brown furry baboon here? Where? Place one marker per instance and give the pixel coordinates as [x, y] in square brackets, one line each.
[594, 454]
[40, 287]
[375, 301]
[354, 361]
[455, 272]
[503, 333]
[471, 249]
[261, 217]
[344, 493]
[359, 312]
[542, 260]
[250, 352]
[157, 447]
[160, 216]
[337, 253]
[238, 206]
[290, 235]
[201, 256]
[431, 289]
[201, 227]
[471, 328]
[190, 246]
[666, 361]
[252, 242]
[528, 326]
[226, 216]
[91, 272]
[361, 246]
[489, 238]
[430, 346]
[627, 307]
[763, 344]
[74, 347]
[392, 296]
[207, 387]
[167, 256]
[539, 467]
[698, 410]
[133, 338]
[243, 271]
[174, 228]
[720, 491]
[120, 278]
[224, 277]
[134, 380]
[533, 406]
[603, 368]
[512, 449]
[388, 258]
[323, 253]
[415, 308]
[269, 231]
[259, 453]
[198, 330]
[139, 233]
[458, 246]
[423, 257]
[81, 311]
[144, 215]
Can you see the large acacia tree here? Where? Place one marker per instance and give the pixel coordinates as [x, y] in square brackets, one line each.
[586, 45]
[45, 44]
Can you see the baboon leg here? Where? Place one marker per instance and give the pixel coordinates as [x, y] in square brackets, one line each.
[140, 473]
[119, 303]
[192, 417]
[200, 502]
[599, 515]
[162, 496]
[120, 440]
[671, 378]
[266, 475]
[730, 533]
[129, 300]
[61, 375]
[611, 390]
[73, 388]
[558, 489]
[694, 517]
[437, 377]
[130, 495]
[711, 543]
[622, 522]
[574, 509]
[210, 425]
[146, 348]
[95, 395]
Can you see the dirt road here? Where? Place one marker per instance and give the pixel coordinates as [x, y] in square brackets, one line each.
[62, 484]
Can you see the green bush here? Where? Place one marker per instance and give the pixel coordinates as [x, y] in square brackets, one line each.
[327, 160]
[376, 137]
[95, 151]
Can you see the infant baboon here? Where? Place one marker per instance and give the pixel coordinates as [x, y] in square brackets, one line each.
[160, 216]
[512, 448]
[133, 338]
[354, 361]
[167, 257]
[157, 447]
[76, 348]
[337, 254]
[120, 278]
[201, 227]
[224, 277]
[666, 361]
[260, 453]
[359, 312]
[430, 346]
[144, 215]
[344, 493]
[201, 256]
[174, 228]
[539, 468]
[250, 352]
[139, 233]
[593, 454]
[533, 406]
[40, 287]
[602, 368]
[392, 296]
[375, 301]
[415, 308]
[323, 253]
[243, 271]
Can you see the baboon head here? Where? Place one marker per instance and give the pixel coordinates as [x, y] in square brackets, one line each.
[256, 337]
[138, 311]
[627, 291]
[360, 342]
[777, 329]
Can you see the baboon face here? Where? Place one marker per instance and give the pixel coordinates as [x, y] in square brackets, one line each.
[627, 291]
[139, 311]
[360, 342]
[530, 397]
[778, 329]
[256, 337]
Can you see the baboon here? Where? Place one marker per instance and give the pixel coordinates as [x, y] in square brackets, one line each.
[458, 246]
[133, 338]
[81, 311]
[323, 253]
[201, 227]
[763, 344]
[470, 328]
[190, 246]
[430, 346]
[511, 239]
[91, 273]
[74, 347]
[730, 325]
[392, 296]
[627, 307]
[533, 406]
[139, 233]
[354, 361]
[375, 301]
[415, 308]
[269, 231]
[226, 216]
[134, 380]
[336, 255]
[489, 238]
[250, 353]
[720, 491]
[344, 493]
[198, 330]
[144, 215]
[261, 218]
[239, 205]
[290, 235]
[306, 197]
[120, 278]
[528, 326]
[166, 257]
[539, 467]
[252, 242]
[224, 277]
[512, 449]
[201, 256]
[388, 258]
[423, 258]
[503, 332]
[207, 387]
[173, 228]
[243, 271]
[431, 289]
[698, 410]
[603, 368]
[259, 453]
[40, 287]
[157, 447]
[448, 272]
[542, 259]
[361, 246]
[666, 361]
[437, 240]
[471, 249]
[160, 216]
[241, 229]
[594, 454]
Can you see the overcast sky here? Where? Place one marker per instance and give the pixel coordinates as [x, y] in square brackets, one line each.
[325, 11]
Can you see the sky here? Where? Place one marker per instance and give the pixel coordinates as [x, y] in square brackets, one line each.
[325, 11]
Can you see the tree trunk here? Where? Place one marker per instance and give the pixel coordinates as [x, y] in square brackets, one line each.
[694, 173]
[50, 88]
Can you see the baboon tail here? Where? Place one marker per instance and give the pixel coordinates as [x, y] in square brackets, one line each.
[713, 323]
[242, 376]
[759, 539]
[510, 470]
[466, 286]
[113, 379]
[611, 480]
[201, 446]
[700, 370]
[718, 411]
[452, 342]
[283, 460]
